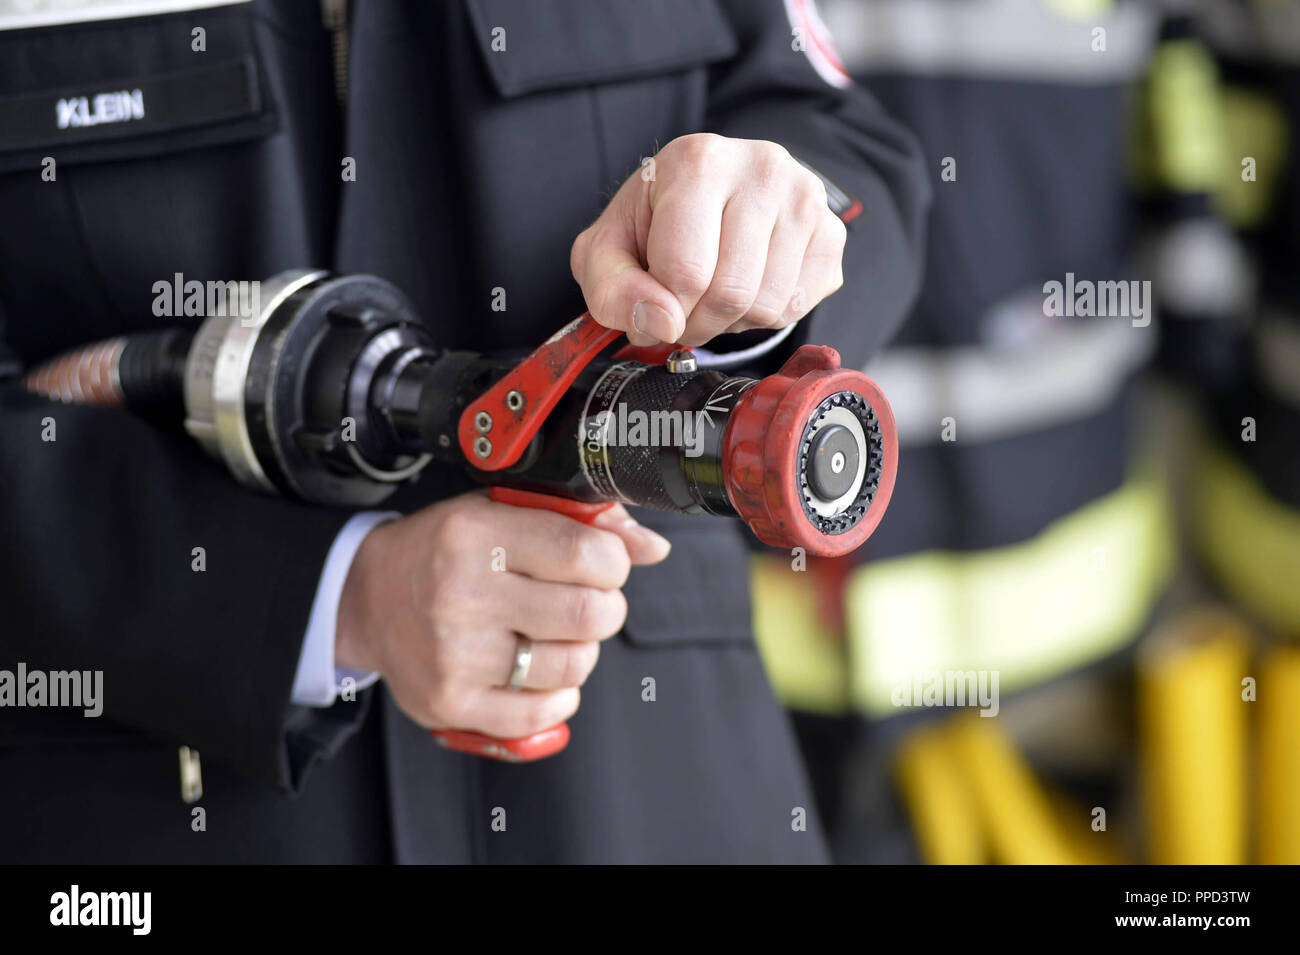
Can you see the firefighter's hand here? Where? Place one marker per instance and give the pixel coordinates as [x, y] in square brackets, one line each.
[713, 235]
[434, 607]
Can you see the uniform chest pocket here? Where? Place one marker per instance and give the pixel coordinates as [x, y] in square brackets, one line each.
[572, 96]
[136, 148]
[534, 45]
[115, 89]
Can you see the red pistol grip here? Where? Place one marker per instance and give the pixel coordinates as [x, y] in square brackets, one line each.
[550, 741]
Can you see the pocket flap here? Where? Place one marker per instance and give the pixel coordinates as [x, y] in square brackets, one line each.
[549, 44]
[699, 594]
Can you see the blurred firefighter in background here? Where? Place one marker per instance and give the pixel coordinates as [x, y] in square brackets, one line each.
[1033, 537]
[1243, 467]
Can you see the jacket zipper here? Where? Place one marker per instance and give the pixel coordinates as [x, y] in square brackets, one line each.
[334, 14]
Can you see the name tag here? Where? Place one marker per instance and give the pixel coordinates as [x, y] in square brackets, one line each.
[129, 106]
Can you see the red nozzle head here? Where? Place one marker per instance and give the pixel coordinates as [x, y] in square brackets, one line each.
[810, 455]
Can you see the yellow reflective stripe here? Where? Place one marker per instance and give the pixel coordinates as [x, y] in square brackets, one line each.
[1183, 109]
[1192, 731]
[805, 661]
[1256, 127]
[1081, 9]
[936, 792]
[1249, 540]
[1078, 591]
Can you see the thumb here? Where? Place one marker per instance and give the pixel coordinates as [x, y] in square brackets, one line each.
[643, 545]
[619, 292]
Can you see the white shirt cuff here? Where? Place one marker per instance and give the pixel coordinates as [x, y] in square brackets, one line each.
[318, 681]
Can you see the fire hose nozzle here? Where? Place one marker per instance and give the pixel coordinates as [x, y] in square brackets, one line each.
[335, 394]
[812, 455]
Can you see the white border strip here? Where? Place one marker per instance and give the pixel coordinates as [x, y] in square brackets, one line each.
[28, 14]
[1002, 39]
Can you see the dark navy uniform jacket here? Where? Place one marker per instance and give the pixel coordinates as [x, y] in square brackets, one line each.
[475, 169]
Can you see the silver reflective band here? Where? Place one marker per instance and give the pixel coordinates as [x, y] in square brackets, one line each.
[1203, 270]
[1008, 39]
[26, 14]
[1077, 368]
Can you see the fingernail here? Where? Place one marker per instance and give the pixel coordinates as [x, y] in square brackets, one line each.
[649, 319]
[641, 341]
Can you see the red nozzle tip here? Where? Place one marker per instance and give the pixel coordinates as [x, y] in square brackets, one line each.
[766, 454]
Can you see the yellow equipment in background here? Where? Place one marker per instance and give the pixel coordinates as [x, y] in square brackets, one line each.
[974, 798]
[1192, 737]
[1278, 779]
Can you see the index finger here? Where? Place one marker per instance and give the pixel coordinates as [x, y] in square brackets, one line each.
[684, 238]
[552, 547]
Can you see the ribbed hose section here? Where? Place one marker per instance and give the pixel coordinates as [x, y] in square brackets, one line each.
[87, 376]
[144, 372]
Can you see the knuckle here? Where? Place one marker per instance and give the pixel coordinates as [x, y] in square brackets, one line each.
[447, 656]
[797, 308]
[838, 232]
[596, 614]
[538, 716]
[561, 706]
[837, 280]
[461, 524]
[810, 204]
[585, 613]
[731, 296]
[454, 593]
[444, 705]
[604, 295]
[580, 548]
[685, 277]
[615, 613]
[697, 150]
[618, 566]
[770, 154]
[770, 161]
[578, 252]
[440, 566]
[579, 661]
[811, 185]
[766, 313]
[775, 153]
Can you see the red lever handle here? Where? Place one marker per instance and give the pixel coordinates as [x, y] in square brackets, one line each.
[547, 742]
[496, 427]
